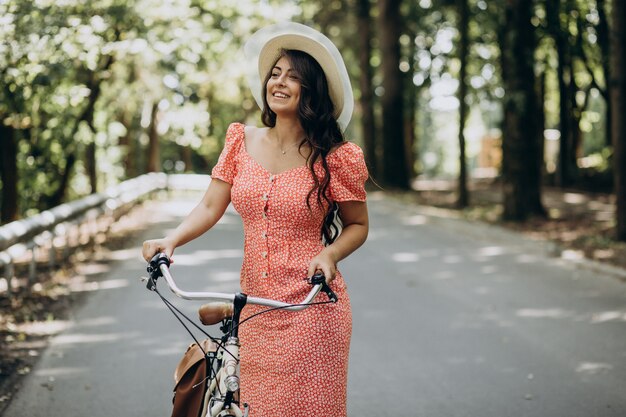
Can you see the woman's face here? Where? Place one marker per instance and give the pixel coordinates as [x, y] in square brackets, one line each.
[283, 88]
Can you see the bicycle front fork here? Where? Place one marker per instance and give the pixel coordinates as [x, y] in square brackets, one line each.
[225, 395]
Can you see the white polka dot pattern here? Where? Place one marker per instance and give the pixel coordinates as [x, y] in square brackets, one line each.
[292, 363]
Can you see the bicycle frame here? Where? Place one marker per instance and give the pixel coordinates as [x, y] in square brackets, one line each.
[224, 387]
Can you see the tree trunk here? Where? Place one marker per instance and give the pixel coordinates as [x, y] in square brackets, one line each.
[566, 166]
[365, 82]
[521, 131]
[127, 148]
[410, 97]
[539, 167]
[604, 43]
[186, 157]
[618, 104]
[463, 13]
[394, 169]
[90, 166]
[59, 195]
[8, 174]
[154, 161]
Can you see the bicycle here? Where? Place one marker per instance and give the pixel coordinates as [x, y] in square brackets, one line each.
[222, 397]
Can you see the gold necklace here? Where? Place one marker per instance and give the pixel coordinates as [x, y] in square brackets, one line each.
[284, 151]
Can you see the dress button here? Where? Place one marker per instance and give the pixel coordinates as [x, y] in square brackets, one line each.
[264, 255]
[264, 215]
[264, 274]
[264, 198]
[264, 234]
[271, 178]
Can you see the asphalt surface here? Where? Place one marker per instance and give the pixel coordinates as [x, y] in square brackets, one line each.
[451, 319]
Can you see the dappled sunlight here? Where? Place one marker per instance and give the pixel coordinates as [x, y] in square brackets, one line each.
[574, 198]
[603, 254]
[92, 268]
[97, 321]
[84, 338]
[416, 220]
[405, 257]
[572, 255]
[62, 371]
[538, 313]
[593, 368]
[491, 251]
[48, 327]
[607, 316]
[109, 284]
[202, 256]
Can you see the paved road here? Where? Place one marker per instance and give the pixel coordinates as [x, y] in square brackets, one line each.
[450, 320]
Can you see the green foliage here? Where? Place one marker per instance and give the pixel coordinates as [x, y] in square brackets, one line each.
[78, 76]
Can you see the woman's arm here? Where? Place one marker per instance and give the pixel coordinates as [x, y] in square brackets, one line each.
[202, 218]
[355, 229]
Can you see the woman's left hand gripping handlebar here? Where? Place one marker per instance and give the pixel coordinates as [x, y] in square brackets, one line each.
[153, 246]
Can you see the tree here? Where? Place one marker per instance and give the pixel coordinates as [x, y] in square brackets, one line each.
[366, 100]
[8, 174]
[394, 172]
[618, 104]
[463, 14]
[566, 167]
[604, 43]
[521, 164]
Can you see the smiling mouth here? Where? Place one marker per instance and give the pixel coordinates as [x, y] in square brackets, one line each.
[280, 95]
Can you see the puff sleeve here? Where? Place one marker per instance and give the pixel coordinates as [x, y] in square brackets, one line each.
[348, 173]
[226, 167]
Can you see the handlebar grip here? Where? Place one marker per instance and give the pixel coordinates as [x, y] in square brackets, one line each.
[160, 259]
[154, 269]
[321, 279]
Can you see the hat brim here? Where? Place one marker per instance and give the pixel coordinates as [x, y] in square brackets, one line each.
[264, 48]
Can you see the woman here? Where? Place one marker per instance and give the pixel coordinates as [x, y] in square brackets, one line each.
[284, 180]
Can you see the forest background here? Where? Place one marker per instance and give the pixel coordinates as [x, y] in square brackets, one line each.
[521, 95]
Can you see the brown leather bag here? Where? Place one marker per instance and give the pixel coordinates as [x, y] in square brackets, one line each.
[190, 376]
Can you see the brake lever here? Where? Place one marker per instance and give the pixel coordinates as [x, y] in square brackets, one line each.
[154, 269]
[320, 279]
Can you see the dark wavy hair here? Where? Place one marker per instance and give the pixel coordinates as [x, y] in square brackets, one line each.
[322, 132]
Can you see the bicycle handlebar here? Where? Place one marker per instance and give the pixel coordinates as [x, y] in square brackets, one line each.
[159, 266]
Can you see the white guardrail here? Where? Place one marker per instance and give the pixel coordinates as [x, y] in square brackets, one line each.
[63, 229]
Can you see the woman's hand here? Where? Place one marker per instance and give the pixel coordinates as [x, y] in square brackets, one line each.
[154, 246]
[355, 227]
[325, 263]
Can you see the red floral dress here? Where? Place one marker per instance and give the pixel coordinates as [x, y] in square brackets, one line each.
[292, 363]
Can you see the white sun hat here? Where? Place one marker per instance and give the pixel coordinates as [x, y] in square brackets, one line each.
[263, 48]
